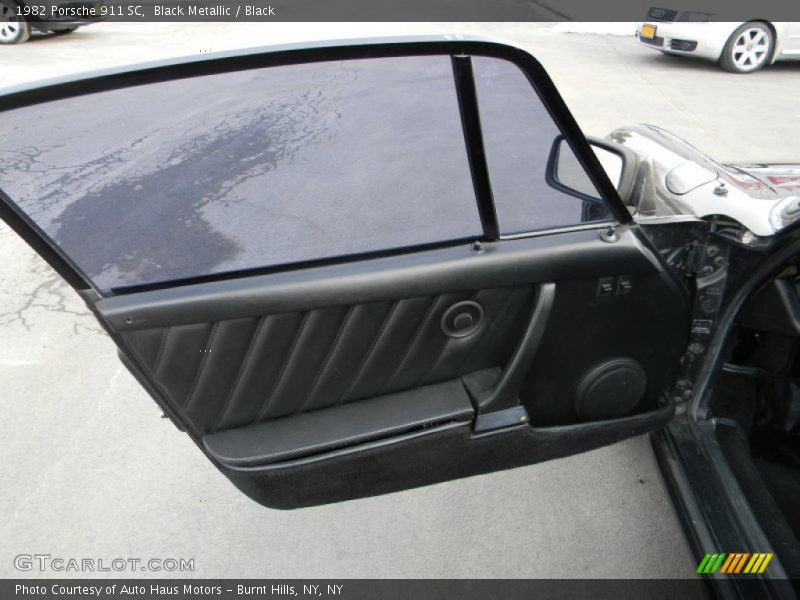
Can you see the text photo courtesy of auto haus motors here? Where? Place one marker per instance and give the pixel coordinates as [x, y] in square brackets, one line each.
[427, 309]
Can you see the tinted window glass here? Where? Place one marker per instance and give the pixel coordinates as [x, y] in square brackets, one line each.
[243, 170]
[518, 134]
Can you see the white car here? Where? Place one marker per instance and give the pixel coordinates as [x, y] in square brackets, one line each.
[737, 47]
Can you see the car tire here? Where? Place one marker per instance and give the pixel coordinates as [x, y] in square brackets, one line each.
[748, 49]
[14, 29]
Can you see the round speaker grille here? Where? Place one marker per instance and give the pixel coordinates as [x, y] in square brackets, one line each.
[610, 390]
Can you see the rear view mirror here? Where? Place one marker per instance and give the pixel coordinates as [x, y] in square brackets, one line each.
[566, 174]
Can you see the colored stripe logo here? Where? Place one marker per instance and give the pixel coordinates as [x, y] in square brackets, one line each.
[734, 563]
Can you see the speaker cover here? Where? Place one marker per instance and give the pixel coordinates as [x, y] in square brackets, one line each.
[610, 390]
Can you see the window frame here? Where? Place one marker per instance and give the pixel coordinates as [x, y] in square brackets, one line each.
[460, 52]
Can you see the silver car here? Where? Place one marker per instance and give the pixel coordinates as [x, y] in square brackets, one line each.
[736, 47]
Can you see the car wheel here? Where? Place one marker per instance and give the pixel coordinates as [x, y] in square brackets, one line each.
[14, 29]
[748, 49]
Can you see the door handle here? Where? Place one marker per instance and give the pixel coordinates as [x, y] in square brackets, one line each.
[504, 392]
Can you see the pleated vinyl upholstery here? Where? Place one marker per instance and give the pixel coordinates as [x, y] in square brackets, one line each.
[234, 372]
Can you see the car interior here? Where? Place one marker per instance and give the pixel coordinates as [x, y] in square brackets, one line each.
[757, 406]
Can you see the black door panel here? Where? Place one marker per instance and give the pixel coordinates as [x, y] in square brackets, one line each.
[590, 330]
[427, 456]
[230, 373]
[562, 256]
[346, 425]
[353, 334]
[303, 263]
[287, 404]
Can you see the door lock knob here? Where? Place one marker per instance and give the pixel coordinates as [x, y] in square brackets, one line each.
[462, 319]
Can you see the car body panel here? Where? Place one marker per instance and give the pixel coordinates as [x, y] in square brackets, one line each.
[783, 178]
[754, 196]
[710, 37]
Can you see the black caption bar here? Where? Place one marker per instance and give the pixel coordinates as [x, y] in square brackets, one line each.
[407, 10]
[349, 589]
[384, 589]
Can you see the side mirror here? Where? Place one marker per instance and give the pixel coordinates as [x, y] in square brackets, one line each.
[566, 174]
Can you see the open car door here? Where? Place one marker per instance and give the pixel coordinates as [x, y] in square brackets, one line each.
[346, 270]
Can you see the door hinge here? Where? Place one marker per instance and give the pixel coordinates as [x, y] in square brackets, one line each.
[707, 264]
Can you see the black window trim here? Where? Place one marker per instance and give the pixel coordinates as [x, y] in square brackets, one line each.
[467, 97]
[603, 224]
[175, 69]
